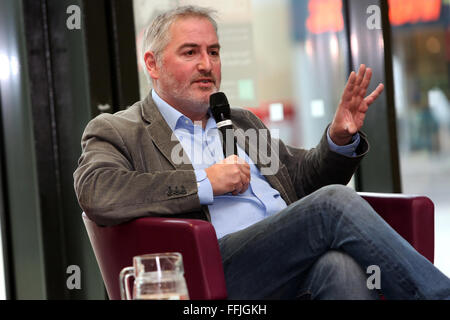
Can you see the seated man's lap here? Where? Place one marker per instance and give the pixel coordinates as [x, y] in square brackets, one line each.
[276, 253]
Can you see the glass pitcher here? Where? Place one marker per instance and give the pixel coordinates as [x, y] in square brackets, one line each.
[158, 276]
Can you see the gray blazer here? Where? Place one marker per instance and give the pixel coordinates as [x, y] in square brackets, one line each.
[126, 170]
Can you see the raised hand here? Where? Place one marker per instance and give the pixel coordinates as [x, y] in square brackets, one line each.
[351, 112]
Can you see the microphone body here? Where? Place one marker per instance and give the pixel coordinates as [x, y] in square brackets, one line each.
[220, 109]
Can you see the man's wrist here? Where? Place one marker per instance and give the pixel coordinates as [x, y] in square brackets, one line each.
[205, 191]
[349, 149]
[340, 141]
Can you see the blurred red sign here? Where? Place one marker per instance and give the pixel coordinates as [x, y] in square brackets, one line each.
[324, 16]
[414, 11]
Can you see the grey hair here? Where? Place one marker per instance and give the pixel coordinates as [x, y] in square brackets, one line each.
[157, 36]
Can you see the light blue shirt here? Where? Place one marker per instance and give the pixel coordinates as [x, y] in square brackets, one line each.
[203, 147]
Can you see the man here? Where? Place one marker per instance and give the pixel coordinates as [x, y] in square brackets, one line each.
[294, 233]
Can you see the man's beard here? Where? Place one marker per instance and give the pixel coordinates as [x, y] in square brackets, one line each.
[185, 96]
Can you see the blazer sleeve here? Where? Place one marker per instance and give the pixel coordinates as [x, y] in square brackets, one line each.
[310, 170]
[111, 191]
[313, 169]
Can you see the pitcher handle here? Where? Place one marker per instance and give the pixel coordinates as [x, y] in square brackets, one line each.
[124, 288]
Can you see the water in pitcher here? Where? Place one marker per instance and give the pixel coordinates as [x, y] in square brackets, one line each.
[161, 286]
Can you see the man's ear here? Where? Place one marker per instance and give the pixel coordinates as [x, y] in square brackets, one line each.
[151, 65]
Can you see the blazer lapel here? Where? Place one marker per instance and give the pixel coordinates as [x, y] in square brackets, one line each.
[163, 137]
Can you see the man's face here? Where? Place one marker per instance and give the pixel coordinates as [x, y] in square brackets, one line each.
[190, 70]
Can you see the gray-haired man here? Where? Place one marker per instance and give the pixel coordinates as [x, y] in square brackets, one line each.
[295, 233]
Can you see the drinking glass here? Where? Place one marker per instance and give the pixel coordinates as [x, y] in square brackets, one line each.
[158, 276]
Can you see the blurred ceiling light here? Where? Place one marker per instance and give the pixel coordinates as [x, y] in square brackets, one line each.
[276, 112]
[334, 46]
[309, 47]
[381, 41]
[317, 108]
[14, 63]
[354, 44]
[5, 68]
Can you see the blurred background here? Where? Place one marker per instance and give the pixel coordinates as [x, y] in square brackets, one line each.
[64, 62]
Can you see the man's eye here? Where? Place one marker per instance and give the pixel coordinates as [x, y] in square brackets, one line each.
[214, 53]
[189, 53]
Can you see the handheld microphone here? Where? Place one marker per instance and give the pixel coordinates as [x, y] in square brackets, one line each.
[221, 113]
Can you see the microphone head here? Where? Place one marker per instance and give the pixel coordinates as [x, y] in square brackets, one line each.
[219, 106]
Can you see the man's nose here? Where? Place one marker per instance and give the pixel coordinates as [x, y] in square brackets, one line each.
[205, 62]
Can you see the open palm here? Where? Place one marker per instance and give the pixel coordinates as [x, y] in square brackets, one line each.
[351, 112]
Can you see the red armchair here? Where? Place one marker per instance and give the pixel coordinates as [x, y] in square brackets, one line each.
[115, 247]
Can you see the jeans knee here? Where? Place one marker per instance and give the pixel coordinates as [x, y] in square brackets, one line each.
[338, 263]
[337, 191]
[336, 275]
[341, 199]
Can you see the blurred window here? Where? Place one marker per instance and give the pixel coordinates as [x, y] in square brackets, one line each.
[421, 60]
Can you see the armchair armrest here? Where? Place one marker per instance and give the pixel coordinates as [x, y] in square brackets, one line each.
[196, 240]
[411, 216]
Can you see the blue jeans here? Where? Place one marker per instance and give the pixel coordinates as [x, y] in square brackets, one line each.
[320, 248]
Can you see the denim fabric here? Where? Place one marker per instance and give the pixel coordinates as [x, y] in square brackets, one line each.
[336, 276]
[312, 248]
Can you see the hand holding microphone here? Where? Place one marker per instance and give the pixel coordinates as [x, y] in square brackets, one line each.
[231, 174]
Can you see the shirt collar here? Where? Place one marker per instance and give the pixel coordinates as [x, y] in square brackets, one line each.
[170, 114]
[173, 117]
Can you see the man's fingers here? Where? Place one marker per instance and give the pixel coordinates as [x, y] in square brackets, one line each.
[238, 188]
[361, 74]
[245, 169]
[365, 83]
[348, 90]
[354, 82]
[375, 94]
[245, 182]
[357, 84]
[234, 159]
